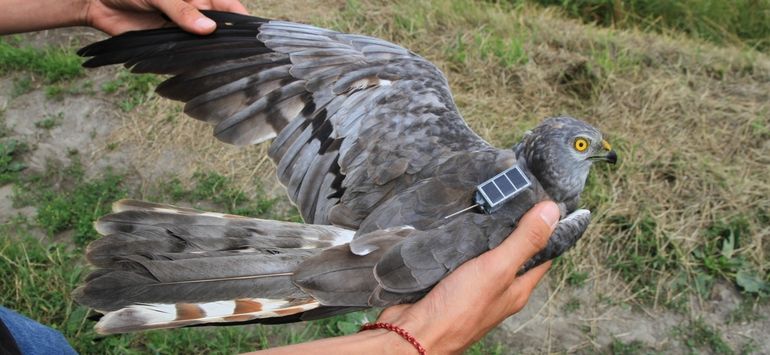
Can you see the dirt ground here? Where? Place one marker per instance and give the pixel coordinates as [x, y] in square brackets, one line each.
[91, 123]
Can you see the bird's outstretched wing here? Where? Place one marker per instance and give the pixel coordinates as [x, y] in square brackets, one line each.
[366, 136]
[355, 119]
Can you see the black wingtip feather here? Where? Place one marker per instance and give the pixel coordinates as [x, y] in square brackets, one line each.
[231, 17]
[138, 45]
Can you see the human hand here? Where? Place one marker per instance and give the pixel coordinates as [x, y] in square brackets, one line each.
[482, 292]
[118, 16]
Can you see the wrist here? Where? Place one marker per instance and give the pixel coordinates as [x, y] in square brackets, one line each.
[83, 16]
[375, 341]
[63, 13]
[403, 333]
[390, 342]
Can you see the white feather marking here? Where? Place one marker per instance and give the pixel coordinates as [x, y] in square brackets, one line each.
[220, 215]
[361, 247]
[218, 309]
[134, 316]
[576, 214]
[343, 236]
[261, 138]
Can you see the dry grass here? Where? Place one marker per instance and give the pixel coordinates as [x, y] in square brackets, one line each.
[690, 121]
[161, 135]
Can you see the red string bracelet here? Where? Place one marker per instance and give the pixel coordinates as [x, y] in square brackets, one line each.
[400, 331]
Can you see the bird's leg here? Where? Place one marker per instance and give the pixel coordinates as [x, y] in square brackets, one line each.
[566, 234]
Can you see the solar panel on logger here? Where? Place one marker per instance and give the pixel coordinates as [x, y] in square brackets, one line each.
[491, 194]
[517, 177]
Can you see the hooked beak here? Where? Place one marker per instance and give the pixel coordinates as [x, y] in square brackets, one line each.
[611, 157]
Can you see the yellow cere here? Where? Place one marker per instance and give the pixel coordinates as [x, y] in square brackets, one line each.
[606, 145]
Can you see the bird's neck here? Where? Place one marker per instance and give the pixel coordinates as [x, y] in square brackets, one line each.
[562, 183]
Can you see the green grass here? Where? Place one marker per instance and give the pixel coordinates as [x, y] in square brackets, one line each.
[577, 278]
[66, 200]
[457, 51]
[135, 89]
[51, 64]
[221, 191]
[21, 86]
[698, 335]
[509, 52]
[572, 305]
[646, 257]
[58, 91]
[746, 312]
[4, 129]
[56, 67]
[636, 347]
[50, 121]
[612, 59]
[721, 22]
[565, 267]
[487, 346]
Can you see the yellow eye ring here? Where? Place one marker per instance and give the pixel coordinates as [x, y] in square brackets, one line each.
[581, 144]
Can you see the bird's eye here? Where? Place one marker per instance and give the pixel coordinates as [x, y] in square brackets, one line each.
[581, 144]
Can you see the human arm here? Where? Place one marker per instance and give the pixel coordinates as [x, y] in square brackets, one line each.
[462, 307]
[111, 16]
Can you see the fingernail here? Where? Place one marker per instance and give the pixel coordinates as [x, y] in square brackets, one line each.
[550, 214]
[205, 23]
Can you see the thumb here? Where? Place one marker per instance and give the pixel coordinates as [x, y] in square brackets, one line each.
[530, 236]
[186, 16]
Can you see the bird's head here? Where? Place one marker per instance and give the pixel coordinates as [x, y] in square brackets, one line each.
[559, 152]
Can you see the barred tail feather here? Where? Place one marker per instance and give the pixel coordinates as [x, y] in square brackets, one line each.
[159, 316]
[163, 266]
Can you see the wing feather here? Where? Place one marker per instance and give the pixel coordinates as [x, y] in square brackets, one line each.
[356, 119]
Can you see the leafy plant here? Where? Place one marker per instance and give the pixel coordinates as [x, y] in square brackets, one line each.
[10, 166]
[719, 257]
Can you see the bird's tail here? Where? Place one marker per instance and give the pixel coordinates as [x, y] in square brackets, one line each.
[164, 267]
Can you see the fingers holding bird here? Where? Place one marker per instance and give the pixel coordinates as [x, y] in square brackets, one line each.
[119, 16]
